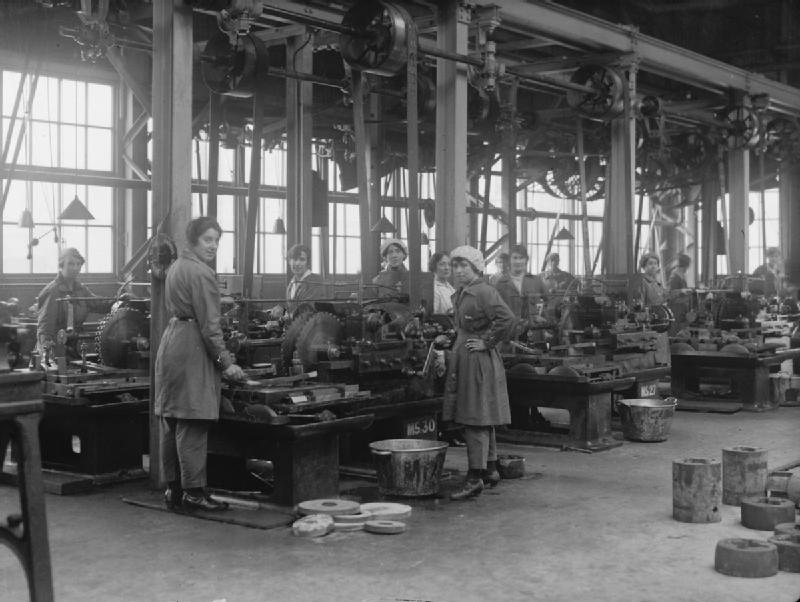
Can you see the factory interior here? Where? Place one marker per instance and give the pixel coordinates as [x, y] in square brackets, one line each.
[504, 308]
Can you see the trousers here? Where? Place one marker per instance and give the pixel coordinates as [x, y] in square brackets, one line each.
[184, 451]
[481, 445]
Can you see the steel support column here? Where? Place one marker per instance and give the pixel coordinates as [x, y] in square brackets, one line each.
[738, 216]
[299, 126]
[172, 173]
[788, 193]
[451, 129]
[620, 191]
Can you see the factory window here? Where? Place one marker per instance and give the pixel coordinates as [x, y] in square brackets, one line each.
[59, 124]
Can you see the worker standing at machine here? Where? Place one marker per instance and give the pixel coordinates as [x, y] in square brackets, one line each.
[522, 292]
[191, 358]
[393, 279]
[54, 316]
[646, 288]
[554, 278]
[502, 265]
[304, 285]
[772, 272]
[475, 391]
[442, 289]
[677, 280]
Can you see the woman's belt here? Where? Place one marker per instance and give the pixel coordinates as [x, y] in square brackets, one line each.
[185, 318]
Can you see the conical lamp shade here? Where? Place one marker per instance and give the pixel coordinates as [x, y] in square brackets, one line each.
[563, 234]
[76, 210]
[383, 225]
[279, 227]
[26, 219]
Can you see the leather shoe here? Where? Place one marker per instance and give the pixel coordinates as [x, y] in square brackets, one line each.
[172, 498]
[469, 489]
[491, 479]
[202, 502]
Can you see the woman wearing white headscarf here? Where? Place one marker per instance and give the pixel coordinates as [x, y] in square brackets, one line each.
[394, 278]
[475, 392]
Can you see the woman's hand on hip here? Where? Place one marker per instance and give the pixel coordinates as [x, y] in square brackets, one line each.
[233, 372]
[476, 345]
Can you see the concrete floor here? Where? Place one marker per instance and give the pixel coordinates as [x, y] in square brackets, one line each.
[578, 527]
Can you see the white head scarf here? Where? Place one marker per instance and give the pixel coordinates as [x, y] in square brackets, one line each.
[471, 254]
[393, 241]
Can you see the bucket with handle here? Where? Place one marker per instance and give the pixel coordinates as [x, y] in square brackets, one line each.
[646, 419]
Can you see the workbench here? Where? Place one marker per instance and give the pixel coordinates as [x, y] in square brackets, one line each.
[746, 377]
[306, 455]
[588, 404]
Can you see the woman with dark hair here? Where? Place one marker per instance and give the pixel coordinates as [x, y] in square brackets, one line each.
[647, 288]
[521, 290]
[677, 280]
[554, 278]
[475, 390]
[54, 316]
[191, 359]
[393, 279]
[304, 285]
[443, 291]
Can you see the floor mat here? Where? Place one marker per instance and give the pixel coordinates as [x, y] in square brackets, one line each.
[255, 515]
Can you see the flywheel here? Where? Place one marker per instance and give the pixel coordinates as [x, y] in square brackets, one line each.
[743, 127]
[319, 339]
[604, 100]
[123, 330]
[377, 39]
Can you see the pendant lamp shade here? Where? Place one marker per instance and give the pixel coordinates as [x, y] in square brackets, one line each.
[383, 225]
[76, 210]
[563, 234]
[26, 219]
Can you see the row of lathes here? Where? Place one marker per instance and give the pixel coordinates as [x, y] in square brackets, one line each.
[328, 378]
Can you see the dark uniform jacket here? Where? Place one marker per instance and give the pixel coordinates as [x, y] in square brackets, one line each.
[523, 304]
[309, 288]
[53, 315]
[392, 281]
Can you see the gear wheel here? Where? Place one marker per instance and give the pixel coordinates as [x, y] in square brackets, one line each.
[320, 330]
[290, 338]
[115, 332]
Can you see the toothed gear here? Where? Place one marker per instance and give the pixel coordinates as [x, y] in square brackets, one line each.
[114, 330]
[289, 343]
[320, 330]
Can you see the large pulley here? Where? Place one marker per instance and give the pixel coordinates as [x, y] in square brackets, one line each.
[742, 128]
[124, 330]
[319, 340]
[604, 100]
[233, 69]
[379, 37]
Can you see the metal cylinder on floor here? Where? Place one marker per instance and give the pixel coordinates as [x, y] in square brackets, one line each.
[696, 490]
[744, 473]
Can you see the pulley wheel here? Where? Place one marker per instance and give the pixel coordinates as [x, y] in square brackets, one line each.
[746, 558]
[605, 100]
[742, 130]
[378, 38]
[387, 510]
[233, 70]
[763, 513]
[332, 507]
[385, 527]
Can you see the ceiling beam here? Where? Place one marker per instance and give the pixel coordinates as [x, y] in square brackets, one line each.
[655, 56]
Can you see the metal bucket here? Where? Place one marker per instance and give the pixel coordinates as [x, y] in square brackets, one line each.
[408, 467]
[646, 419]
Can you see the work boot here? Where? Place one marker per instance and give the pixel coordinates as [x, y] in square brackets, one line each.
[173, 495]
[490, 476]
[471, 488]
[197, 499]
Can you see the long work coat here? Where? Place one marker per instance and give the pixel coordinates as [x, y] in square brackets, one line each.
[475, 392]
[192, 352]
[392, 281]
[649, 290]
